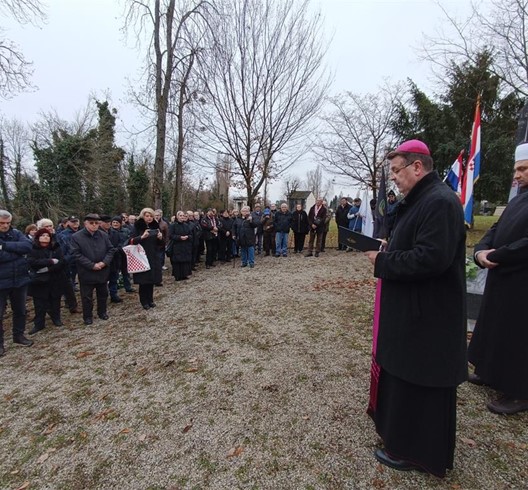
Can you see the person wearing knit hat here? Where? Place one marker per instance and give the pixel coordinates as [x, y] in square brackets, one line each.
[48, 271]
[420, 345]
[499, 345]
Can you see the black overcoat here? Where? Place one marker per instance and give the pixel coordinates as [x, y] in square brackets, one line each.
[299, 222]
[87, 250]
[246, 232]
[422, 327]
[151, 244]
[181, 249]
[499, 345]
[53, 280]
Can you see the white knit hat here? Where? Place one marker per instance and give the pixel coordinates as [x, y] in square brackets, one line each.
[521, 152]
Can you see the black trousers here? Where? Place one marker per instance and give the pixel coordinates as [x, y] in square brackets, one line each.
[298, 241]
[101, 291]
[417, 423]
[69, 295]
[47, 304]
[17, 297]
[146, 294]
[225, 247]
[211, 251]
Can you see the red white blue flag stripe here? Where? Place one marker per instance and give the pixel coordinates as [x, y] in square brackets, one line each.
[472, 168]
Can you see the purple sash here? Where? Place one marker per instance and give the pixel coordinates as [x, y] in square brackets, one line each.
[374, 366]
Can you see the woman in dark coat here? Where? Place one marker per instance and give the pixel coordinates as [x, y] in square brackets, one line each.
[299, 226]
[181, 234]
[147, 233]
[48, 271]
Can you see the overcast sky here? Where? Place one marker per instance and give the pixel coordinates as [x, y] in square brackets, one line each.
[81, 50]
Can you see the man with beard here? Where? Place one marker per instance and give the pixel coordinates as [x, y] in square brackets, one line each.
[499, 345]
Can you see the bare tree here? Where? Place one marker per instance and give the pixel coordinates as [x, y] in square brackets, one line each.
[14, 150]
[291, 183]
[15, 70]
[501, 30]
[169, 63]
[264, 83]
[357, 134]
[317, 183]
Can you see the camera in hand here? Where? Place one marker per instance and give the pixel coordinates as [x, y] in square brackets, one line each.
[153, 232]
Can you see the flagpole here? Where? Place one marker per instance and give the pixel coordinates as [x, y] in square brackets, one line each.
[472, 171]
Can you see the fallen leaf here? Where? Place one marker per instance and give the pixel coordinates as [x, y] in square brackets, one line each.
[142, 371]
[49, 429]
[191, 370]
[43, 458]
[124, 431]
[24, 486]
[469, 442]
[306, 417]
[168, 363]
[142, 437]
[235, 452]
[104, 414]
[188, 427]
[85, 353]
[193, 360]
[16, 472]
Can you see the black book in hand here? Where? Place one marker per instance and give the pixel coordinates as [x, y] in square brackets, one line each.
[356, 240]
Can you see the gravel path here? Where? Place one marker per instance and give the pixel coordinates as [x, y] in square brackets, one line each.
[239, 378]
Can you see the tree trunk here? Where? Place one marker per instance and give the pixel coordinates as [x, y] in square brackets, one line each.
[3, 181]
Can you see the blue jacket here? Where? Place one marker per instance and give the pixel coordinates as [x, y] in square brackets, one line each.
[355, 222]
[14, 265]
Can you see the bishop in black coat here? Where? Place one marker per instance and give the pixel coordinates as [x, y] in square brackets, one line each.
[421, 344]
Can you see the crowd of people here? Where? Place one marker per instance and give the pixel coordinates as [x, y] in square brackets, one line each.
[49, 263]
[419, 349]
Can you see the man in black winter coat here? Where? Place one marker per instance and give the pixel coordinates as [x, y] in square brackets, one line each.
[421, 317]
[341, 217]
[14, 278]
[499, 345]
[93, 253]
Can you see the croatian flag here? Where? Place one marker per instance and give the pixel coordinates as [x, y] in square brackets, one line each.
[454, 176]
[472, 168]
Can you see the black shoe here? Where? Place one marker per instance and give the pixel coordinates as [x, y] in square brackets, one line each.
[116, 299]
[58, 323]
[309, 254]
[21, 340]
[2, 350]
[74, 310]
[159, 285]
[317, 254]
[152, 305]
[207, 266]
[397, 464]
[34, 330]
[146, 307]
[104, 316]
[131, 290]
[88, 321]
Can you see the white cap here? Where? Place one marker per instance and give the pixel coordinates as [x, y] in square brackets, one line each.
[521, 152]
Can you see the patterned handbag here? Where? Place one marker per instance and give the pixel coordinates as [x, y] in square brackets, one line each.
[137, 260]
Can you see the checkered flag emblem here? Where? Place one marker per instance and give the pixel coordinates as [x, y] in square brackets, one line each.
[137, 260]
